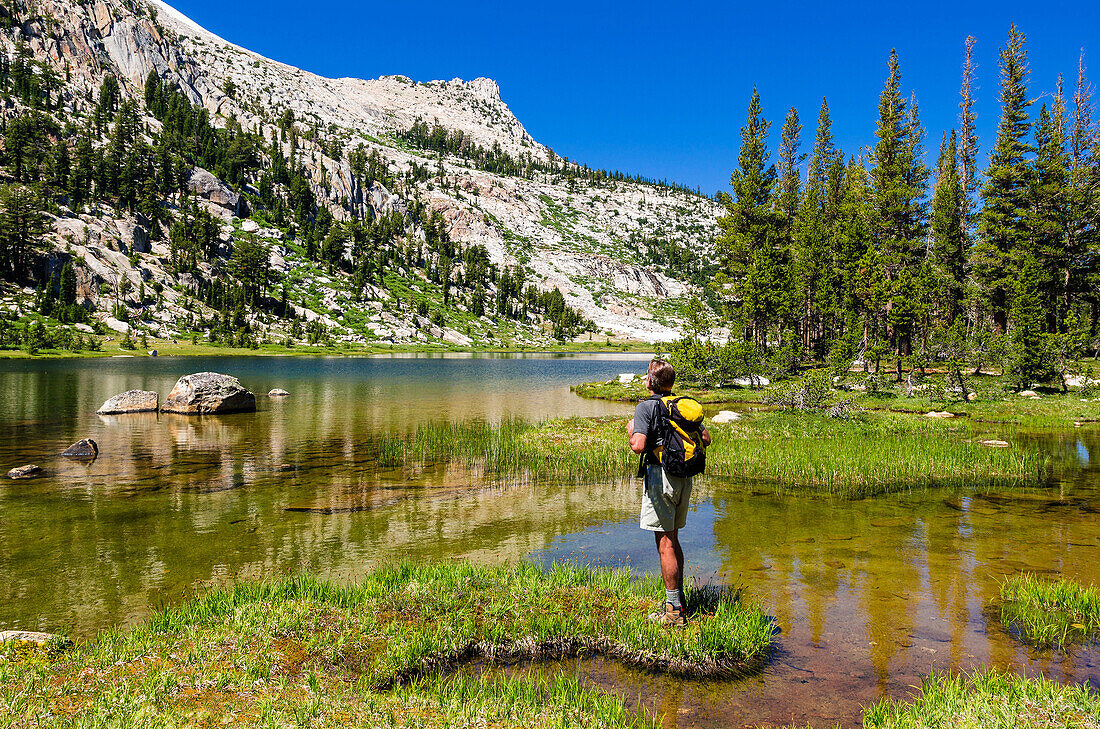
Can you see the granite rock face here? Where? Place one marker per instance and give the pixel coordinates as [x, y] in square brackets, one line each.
[207, 393]
[131, 401]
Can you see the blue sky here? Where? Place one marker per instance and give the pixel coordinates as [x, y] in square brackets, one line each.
[661, 89]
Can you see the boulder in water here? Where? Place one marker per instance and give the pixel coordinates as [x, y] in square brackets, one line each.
[131, 401]
[28, 471]
[84, 450]
[206, 393]
[278, 393]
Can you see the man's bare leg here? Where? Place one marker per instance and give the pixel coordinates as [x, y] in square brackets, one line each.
[672, 561]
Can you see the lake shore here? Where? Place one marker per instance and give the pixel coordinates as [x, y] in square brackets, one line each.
[112, 348]
[993, 402]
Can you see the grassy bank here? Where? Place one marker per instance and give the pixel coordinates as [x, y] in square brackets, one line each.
[111, 348]
[300, 652]
[784, 451]
[994, 402]
[1050, 612]
[989, 700]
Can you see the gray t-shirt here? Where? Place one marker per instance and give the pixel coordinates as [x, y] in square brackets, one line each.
[645, 421]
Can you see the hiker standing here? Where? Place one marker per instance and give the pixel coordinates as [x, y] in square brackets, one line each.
[665, 497]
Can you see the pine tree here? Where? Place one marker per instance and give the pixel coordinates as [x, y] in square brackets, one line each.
[790, 160]
[750, 230]
[1083, 202]
[968, 137]
[1027, 351]
[1047, 213]
[949, 230]
[1005, 201]
[899, 181]
[813, 240]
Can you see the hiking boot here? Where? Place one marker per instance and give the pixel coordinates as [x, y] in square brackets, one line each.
[669, 615]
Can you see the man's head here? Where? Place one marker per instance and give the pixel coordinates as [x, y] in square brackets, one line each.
[661, 376]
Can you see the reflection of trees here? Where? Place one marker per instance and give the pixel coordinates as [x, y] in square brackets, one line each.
[898, 586]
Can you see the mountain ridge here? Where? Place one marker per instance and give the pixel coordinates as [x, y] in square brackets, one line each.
[591, 237]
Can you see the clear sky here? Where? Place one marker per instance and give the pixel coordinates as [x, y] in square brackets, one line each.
[661, 89]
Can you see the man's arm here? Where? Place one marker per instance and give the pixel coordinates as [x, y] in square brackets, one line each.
[706, 437]
[637, 440]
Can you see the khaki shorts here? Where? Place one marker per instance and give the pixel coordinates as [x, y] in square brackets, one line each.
[664, 501]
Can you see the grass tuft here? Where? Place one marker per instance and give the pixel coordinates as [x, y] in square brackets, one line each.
[989, 700]
[1050, 613]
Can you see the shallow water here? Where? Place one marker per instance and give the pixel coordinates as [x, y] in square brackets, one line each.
[869, 594]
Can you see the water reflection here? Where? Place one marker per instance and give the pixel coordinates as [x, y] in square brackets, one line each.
[870, 594]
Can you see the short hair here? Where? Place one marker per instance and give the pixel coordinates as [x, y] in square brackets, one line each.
[662, 376]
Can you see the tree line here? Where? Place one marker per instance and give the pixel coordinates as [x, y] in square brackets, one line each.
[875, 255]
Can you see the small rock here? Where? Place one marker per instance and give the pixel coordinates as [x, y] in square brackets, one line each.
[626, 378]
[995, 443]
[86, 449]
[726, 416]
[942, 415]
[249, 226]
[1028, 393]
[131, 401]
[206, 393]
[30, 636]
[278, 393]
[971, 397]
[153, 353]
[752, 381]
[28, 471]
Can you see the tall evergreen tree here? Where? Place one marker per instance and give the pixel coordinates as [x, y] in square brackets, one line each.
[949, 230]
[1005, 201]
[968, 136]
[1046, 214]
[789, 174]
[813, 239]
[750, 230]
[899, 180]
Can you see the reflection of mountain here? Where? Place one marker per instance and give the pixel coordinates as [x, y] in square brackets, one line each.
[173, 500]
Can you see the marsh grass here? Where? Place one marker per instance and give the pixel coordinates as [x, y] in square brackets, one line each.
[1050, 613]
[996, 402]
[787, 451]
[304, 652]
[989, 700]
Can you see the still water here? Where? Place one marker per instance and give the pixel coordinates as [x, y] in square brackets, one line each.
[869, 594]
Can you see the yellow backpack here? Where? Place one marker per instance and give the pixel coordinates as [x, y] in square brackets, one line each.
[680, 427]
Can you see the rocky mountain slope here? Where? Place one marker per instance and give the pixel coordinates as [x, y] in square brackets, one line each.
[598, 241]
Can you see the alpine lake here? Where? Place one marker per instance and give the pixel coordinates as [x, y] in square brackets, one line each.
[869, 595]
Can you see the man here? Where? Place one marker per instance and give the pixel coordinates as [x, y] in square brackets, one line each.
[665, 498]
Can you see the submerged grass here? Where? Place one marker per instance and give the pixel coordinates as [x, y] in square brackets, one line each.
[303, 652]
[989, 700]
[1050, 613]
[788, 451]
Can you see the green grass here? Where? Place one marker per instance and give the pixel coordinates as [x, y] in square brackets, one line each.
[996, 402]
[989, 700]
[636, 390]
[1050, 613]
[302, 652]
[786, 451]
